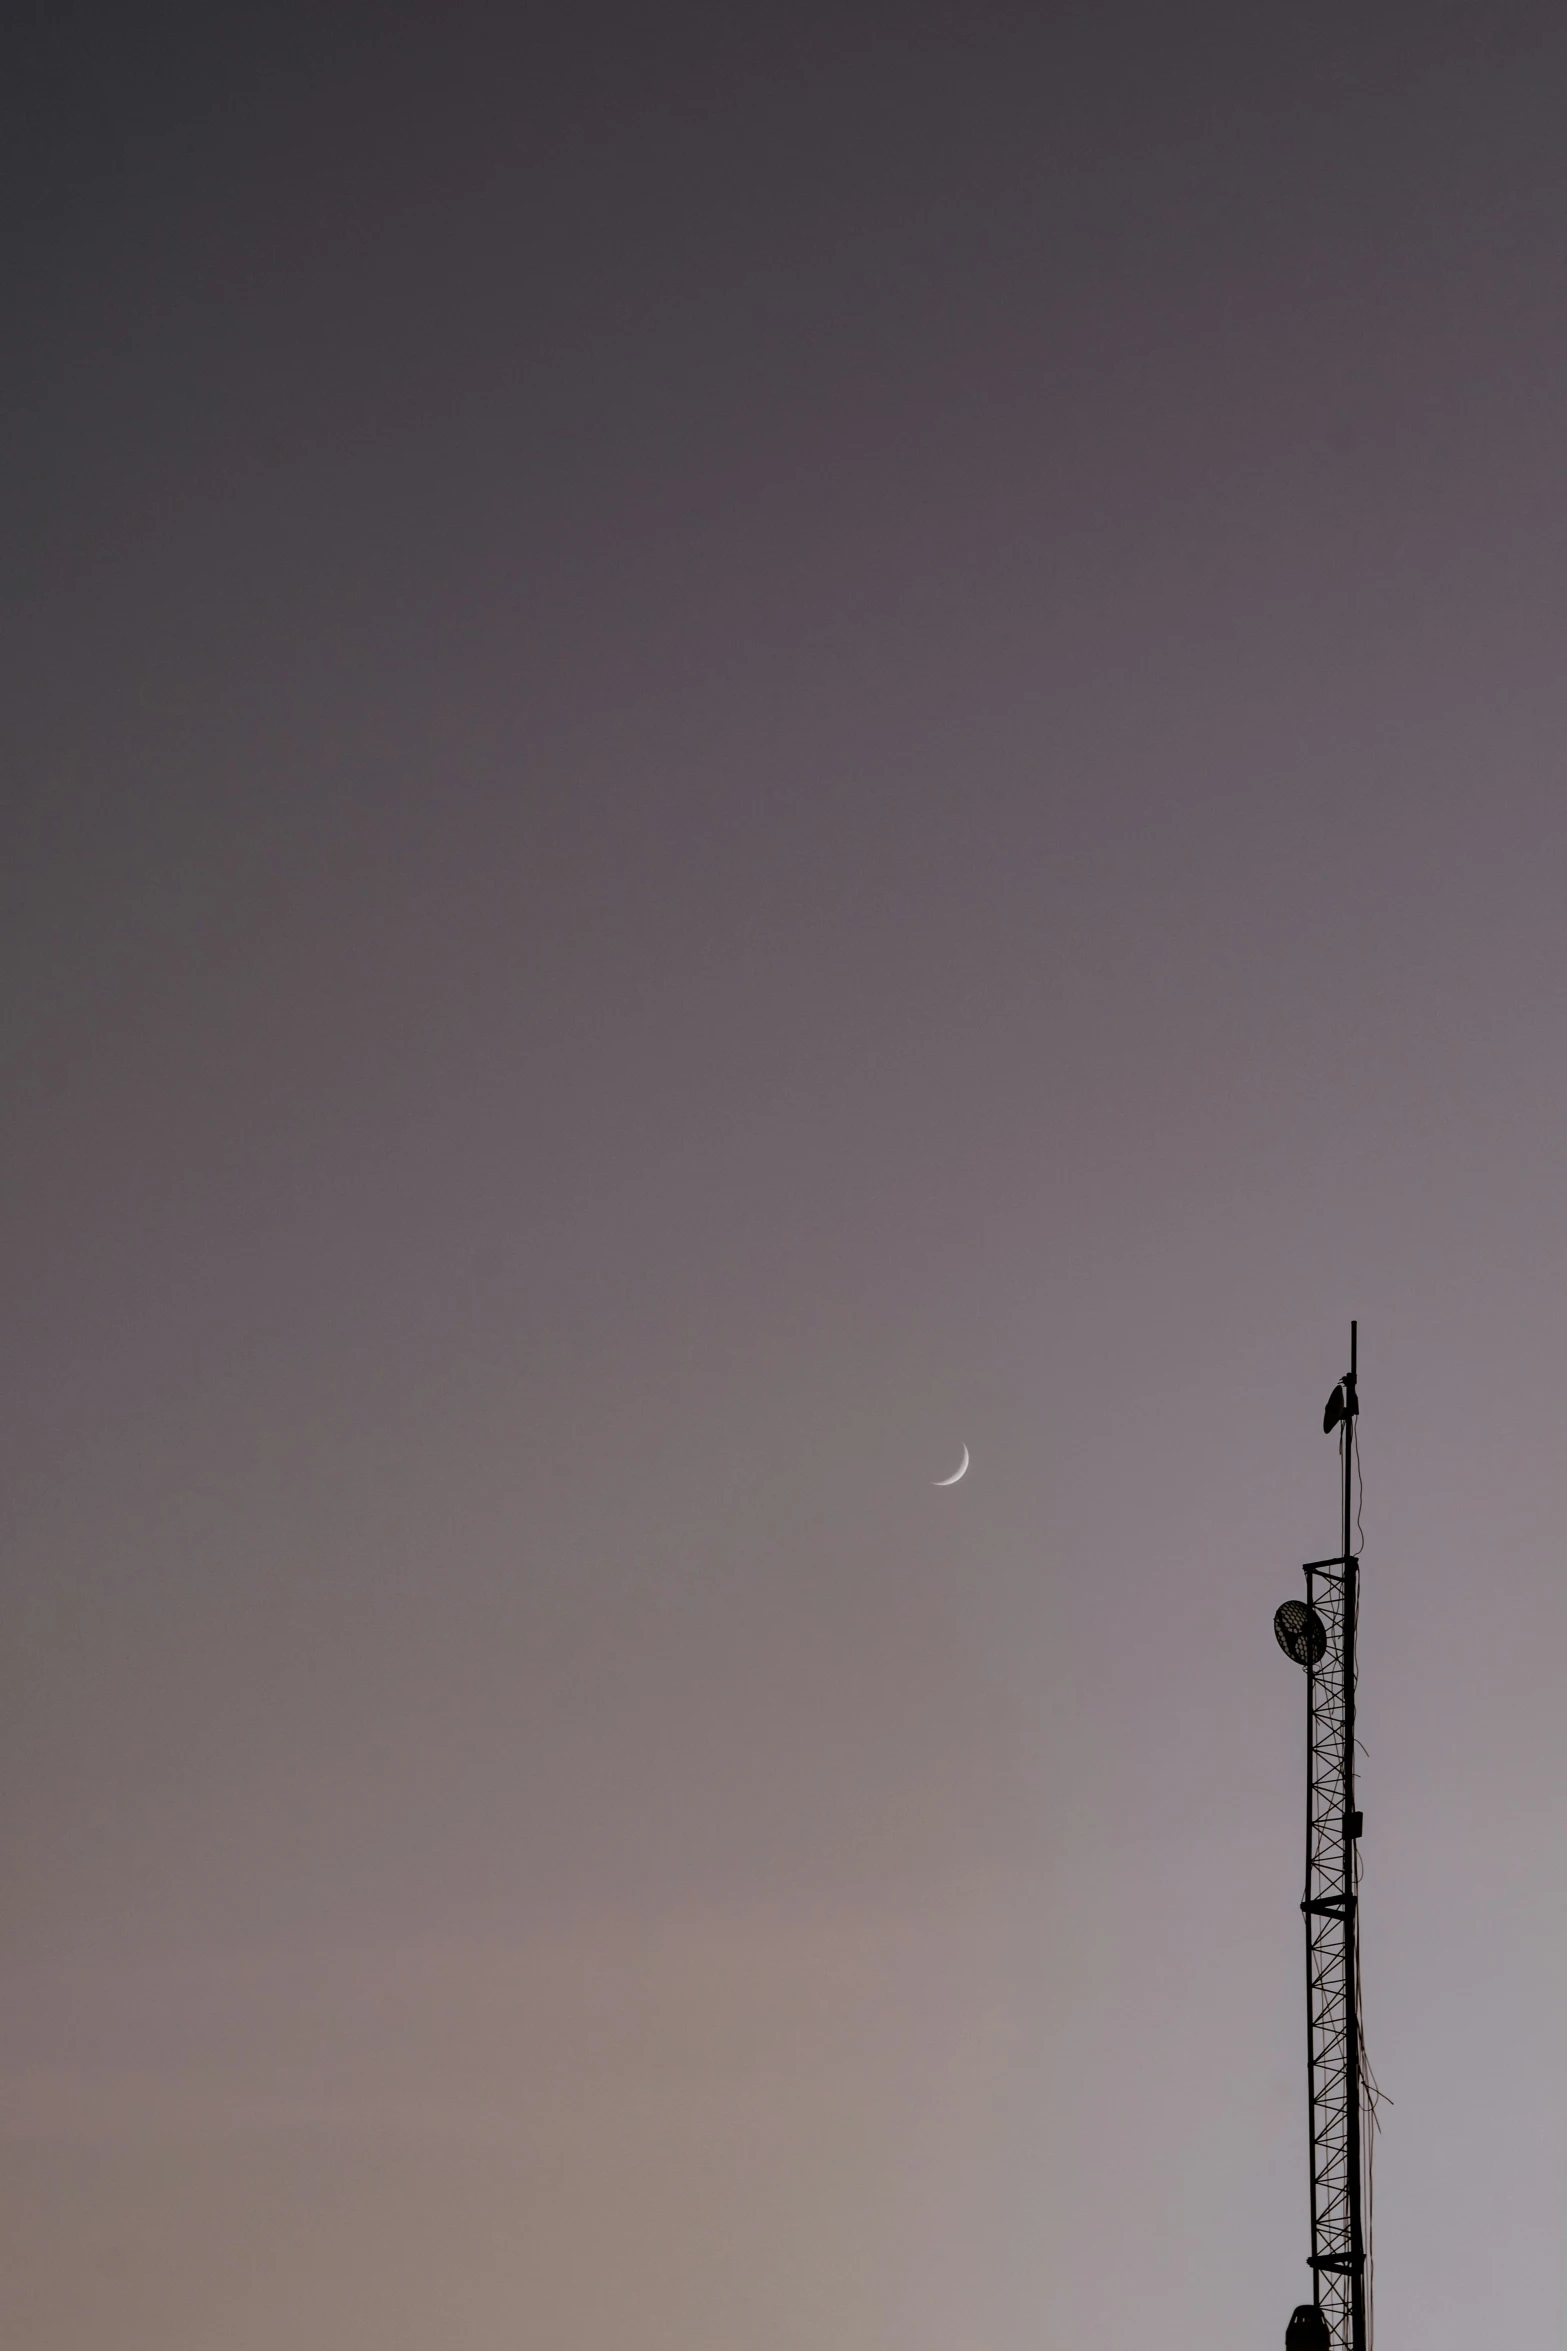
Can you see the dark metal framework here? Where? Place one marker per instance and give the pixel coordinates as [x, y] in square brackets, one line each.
[1336, 2074]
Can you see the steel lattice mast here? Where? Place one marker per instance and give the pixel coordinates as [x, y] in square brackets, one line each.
[1320, 1635]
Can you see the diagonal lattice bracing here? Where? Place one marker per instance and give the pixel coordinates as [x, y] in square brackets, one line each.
[1331, 2004]
[1319, 1634]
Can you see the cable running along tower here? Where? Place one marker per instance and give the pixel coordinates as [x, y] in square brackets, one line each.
[1319, 1634]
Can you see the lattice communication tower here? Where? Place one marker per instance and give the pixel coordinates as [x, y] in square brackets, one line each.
[1319, 1634]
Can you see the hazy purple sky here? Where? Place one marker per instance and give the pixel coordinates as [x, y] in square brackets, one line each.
[738, 745]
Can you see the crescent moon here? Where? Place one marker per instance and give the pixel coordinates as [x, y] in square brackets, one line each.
[959, 1472]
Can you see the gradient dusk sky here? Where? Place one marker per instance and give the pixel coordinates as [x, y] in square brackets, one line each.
[742, 743]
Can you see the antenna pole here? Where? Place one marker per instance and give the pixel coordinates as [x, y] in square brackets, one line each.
[1352, 2081]
[1321, 1636]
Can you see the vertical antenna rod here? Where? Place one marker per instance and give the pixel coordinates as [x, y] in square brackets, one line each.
[1319, 1634]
